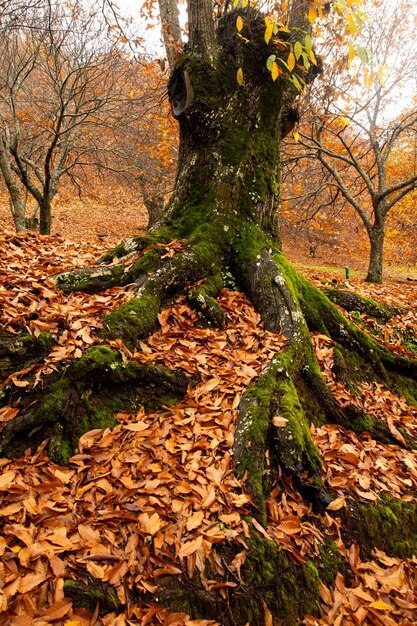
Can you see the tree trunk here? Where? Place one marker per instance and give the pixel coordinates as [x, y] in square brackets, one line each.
[45, 216]
[223, 218]
[153, 201]
[17, 206]
[171, 30]
[376, 238]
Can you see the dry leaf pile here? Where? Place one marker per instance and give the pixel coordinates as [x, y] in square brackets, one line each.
[359, 462]
[28, 302]
[157, 495]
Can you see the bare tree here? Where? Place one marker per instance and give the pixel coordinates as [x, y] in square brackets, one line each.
[354, 129]
[62, 86]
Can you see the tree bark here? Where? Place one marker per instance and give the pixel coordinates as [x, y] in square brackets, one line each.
[16, 204]
[45, 216]
[376, 263]
[201, 27]
[171, 30]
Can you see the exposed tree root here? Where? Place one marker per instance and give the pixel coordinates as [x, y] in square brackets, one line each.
[21, 350]
[92, 595]
[353, 302]
[202, 298]
[87, 394]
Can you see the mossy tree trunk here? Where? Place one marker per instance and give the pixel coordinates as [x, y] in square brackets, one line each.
[224, 209]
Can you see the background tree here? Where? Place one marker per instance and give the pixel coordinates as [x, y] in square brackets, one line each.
[354, 128]
[144, 140]
[233, 93]
[62, 88]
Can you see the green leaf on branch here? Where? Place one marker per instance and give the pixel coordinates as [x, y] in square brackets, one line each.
[270, 61]
[362, 54]
[298, 49]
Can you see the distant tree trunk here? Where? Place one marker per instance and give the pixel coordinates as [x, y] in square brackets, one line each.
[376, 238]
[171, 30]
[154, 202]
[201, 27]
[17, 205]
[45, 216]
[17, 208]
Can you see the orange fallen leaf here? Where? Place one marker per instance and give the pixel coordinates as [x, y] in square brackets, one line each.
[195, 520]
[151, 524]
[279, 421]
[267, 615]
[337, 504]
[380, 606]
[189, 547]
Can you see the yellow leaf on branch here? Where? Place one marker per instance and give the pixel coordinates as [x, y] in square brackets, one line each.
[312, 13]
[268, 30]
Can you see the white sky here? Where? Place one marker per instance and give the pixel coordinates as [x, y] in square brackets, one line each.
[131, 8]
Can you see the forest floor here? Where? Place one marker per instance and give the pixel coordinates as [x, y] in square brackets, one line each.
[112, 216]
[157, 495]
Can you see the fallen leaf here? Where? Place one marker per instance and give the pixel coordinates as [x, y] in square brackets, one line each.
[279, 421]
[337, 504]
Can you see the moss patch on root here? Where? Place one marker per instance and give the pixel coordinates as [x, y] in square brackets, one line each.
[289, 590]
[133, 320]
[88, 596]
[94, 389]
[389, 525]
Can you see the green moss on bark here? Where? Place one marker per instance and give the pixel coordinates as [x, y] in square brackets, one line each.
[292, 448]
[354, 302]
[91, 392]
[133, 320]
[88, 596]
[289, 590]
[389, 525]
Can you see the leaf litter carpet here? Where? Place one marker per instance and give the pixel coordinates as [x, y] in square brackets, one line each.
[157, 495]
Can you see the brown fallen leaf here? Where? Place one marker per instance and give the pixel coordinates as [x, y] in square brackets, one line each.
[337, 504]
[279, 422]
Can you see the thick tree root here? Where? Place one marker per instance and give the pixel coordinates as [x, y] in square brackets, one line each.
[93, 595]
[92, 391]
[132, 246]
[324, 318]
[138, 318]
[103, 276]
[393, 516]
[202, 298]
[20, 350]
[350, 301]
[271, 416]
[267, 578]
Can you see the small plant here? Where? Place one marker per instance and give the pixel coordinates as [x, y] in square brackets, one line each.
[229, 280]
